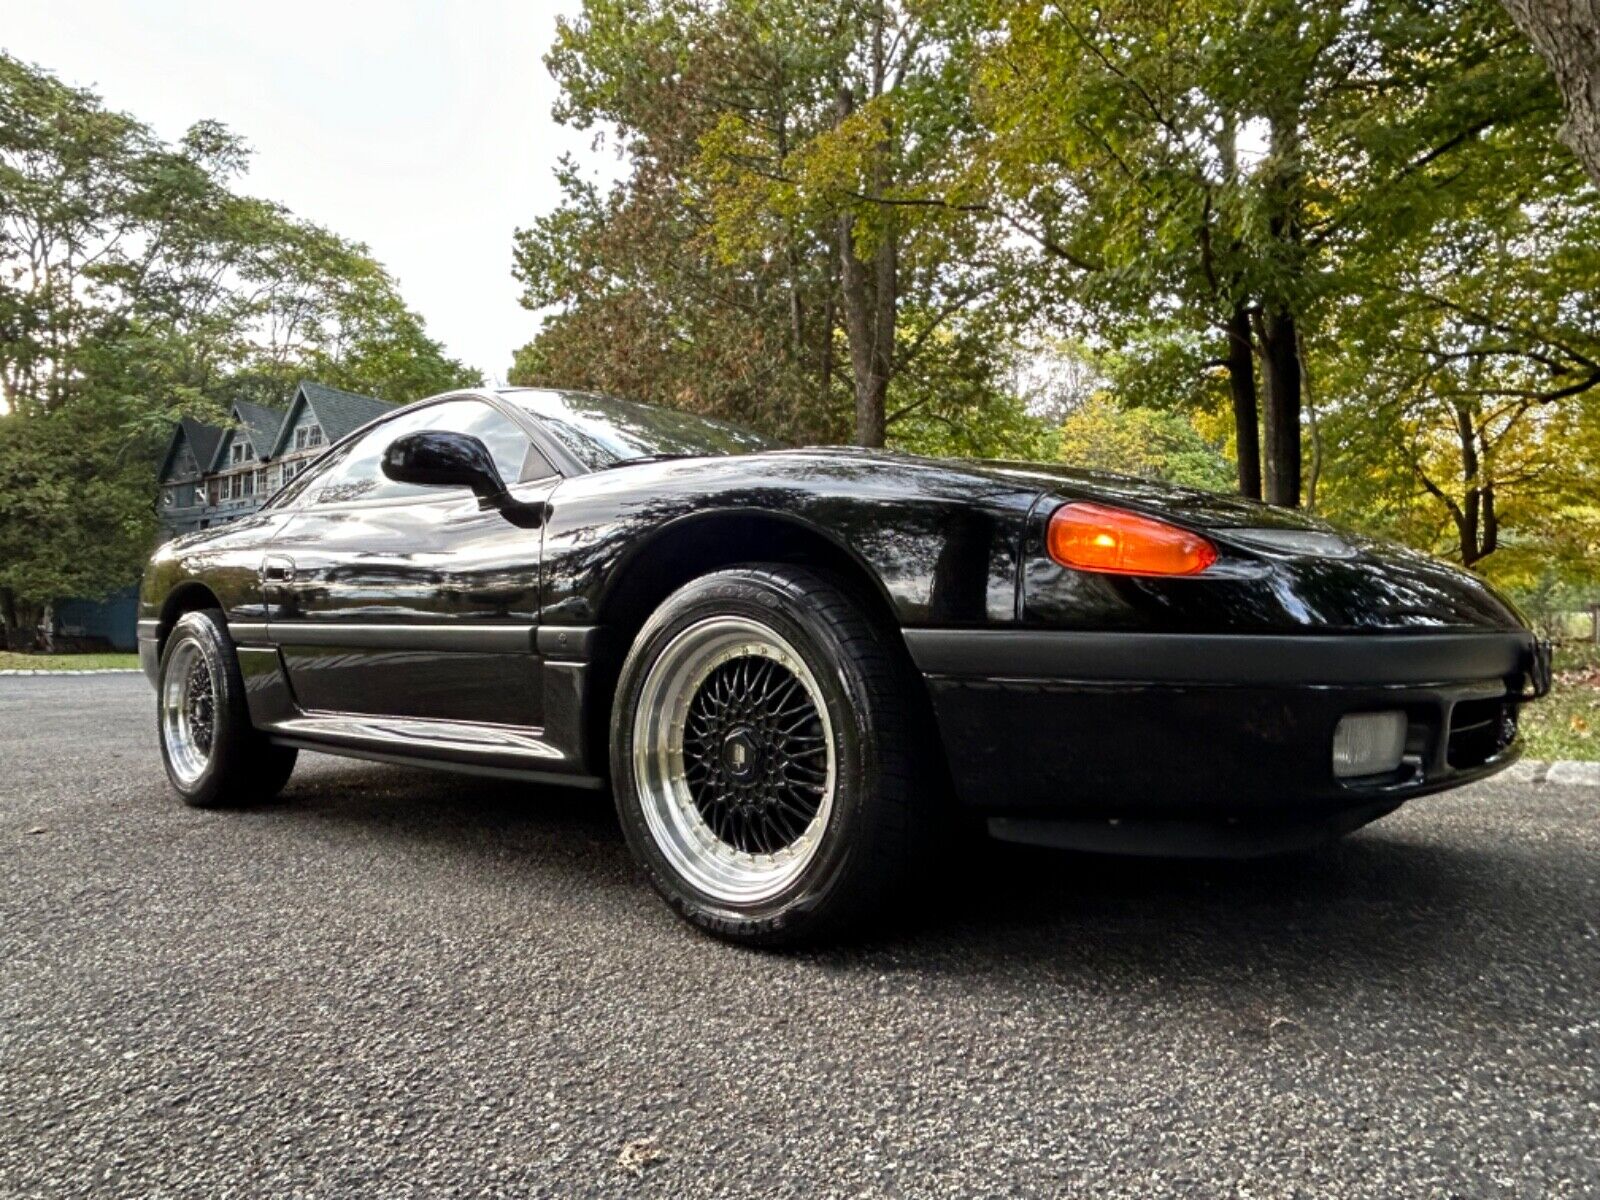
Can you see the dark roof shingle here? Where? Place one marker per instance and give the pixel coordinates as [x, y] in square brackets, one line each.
[202, 438]
[260, 424]
[338, 412]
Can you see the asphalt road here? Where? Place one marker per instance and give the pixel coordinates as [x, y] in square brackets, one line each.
[401, 983]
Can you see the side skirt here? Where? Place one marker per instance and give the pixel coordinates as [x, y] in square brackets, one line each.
[588, 782]
[501, 751]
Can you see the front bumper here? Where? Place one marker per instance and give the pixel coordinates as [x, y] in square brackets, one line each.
[1214, 726]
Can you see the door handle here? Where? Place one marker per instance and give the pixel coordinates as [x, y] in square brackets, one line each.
[276, 569]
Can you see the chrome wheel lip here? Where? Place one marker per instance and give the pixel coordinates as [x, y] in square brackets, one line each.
[679, 831]
[189, 743]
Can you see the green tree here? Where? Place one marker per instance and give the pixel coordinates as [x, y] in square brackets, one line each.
[1464, 389]
[756, 262]
[137, 285]
[1212, 165]
[1104, 436]
[1341, 233]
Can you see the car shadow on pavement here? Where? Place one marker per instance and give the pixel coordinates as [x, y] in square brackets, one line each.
[1388, 903]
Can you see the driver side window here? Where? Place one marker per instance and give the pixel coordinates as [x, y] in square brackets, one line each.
[359, 476]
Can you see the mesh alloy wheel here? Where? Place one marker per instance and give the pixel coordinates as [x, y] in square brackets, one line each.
[214, 757]
[735, 759]
[188, 711]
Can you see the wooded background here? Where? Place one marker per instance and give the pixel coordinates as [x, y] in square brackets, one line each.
[1334, 255]
[1342, 257]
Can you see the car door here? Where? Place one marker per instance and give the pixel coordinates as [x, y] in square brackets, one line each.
[401, 600]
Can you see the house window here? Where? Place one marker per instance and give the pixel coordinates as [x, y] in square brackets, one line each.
[169, 497]
[239, 449]
[247, 484]
[307, 436]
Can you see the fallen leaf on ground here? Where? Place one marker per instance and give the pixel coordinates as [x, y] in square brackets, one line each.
[639, 1154]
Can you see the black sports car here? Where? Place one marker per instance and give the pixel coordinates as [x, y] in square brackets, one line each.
[796, 667]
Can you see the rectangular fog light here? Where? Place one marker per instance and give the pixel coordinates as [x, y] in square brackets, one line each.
[1368, 744]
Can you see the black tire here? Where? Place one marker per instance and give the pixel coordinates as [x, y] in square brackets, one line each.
[236, 765]
[874, 829]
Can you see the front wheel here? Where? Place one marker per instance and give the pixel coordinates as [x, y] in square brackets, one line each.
[760, 756]
[214, 757]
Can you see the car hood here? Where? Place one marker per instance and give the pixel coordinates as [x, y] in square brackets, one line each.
[1190, 505]
[1210, 510]
[1359, 581]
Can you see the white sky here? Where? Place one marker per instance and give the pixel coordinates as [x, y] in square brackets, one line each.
[422, 129]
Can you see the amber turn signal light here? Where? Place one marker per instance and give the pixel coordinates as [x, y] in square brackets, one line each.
[1095, 537]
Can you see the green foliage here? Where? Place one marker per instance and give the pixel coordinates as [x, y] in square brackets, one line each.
[1142, 441]
[1003, 429]
[76, 515]
[711, 278]
[1374, 190]
[1565, 725]
[136, 285]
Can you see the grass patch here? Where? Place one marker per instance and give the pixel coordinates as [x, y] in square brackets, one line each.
[1566, 723]
[10, 660]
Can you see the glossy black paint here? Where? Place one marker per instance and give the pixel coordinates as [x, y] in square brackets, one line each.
[442, 458]
[431, 563]
[938, 544]
[513, 616]
[1162, 749]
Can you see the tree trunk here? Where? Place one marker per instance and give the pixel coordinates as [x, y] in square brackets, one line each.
[869, 293]
[1314, 476]
[1476, 519]
[8, 619]
[1241, 362]
[1282, 362]
[1567, 34]
[826, 366]
[1284, 172]
[869, 310]
[47, 627]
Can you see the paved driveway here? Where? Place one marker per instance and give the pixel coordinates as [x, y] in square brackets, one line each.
[397, 982]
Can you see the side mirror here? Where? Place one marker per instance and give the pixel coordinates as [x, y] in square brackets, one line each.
[440, 458]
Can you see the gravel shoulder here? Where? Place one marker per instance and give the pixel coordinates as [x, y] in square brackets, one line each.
[400, 982]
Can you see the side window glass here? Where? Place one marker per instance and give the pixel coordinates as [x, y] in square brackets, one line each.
[360, 475]
[309, 476]
[508, 445]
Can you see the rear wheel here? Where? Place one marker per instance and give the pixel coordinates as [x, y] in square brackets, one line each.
[214, 757]
[760, 757]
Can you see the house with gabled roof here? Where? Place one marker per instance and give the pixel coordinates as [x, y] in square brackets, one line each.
[212, 474]
[182, 502]
[237, 479]
[319, 414]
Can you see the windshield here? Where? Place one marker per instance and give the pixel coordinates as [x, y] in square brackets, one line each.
[601, 431]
